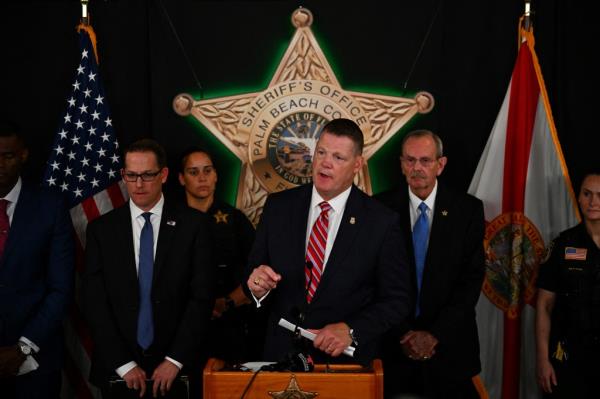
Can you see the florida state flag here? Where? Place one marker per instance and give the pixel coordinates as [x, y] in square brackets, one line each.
[523, 181]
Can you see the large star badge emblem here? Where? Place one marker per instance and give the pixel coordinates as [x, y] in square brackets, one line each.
[274, 132]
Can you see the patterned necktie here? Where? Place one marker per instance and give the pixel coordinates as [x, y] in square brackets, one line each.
[145, 326]
[315, 252]
[4, 225]
[420, 236]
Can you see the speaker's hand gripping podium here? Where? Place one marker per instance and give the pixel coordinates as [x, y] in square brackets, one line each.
[337, 381]
[349, 351]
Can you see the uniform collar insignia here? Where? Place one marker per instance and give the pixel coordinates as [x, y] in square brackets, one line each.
[221, 217]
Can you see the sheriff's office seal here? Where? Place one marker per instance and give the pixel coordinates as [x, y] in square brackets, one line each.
[513, 249]
[284, 124]
[273, 132]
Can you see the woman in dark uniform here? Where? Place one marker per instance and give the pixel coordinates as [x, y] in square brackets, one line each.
[233, 237]
[568, 305]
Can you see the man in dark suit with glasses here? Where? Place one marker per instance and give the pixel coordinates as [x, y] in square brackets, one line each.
[146, 290]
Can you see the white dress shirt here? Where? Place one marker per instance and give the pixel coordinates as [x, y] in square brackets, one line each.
[12, 197]
[338, 205]
[137, 224]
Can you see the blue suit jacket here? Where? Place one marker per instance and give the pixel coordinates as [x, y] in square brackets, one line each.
[36, 274]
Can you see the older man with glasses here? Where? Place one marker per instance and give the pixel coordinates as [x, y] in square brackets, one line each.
[436, 352]
[147, 285]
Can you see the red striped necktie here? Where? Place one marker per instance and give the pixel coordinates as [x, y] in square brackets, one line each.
[315, 252]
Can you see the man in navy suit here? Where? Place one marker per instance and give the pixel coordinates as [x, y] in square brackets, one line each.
[147, 291]
[435, 353]
[329, 257]
[36, 277]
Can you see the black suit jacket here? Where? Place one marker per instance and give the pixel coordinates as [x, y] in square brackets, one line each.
[36, 274]
[181, 295]
[365, 281]
[452, 279]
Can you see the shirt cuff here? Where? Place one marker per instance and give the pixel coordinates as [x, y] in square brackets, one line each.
[124, 369]
[175, 362]
[258, 301]
[33, 346]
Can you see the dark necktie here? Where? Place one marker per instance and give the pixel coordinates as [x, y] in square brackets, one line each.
[4, 225]
[145, 326]
[420, 236]
[315, 252]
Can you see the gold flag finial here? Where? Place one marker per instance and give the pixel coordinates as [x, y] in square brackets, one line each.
[84, 12]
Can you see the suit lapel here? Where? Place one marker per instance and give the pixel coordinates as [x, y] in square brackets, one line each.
[299, 223]
[352, 219]
[22, 220]
[168, 226]
[298, 214]
[439, 229]
[404, 211]
[403, 201]
[124, 232]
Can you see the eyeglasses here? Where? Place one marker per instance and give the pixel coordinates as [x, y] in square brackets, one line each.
[133, 177]
[411, 161]
[205, 170]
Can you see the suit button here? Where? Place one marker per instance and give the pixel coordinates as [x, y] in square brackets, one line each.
[157, 302]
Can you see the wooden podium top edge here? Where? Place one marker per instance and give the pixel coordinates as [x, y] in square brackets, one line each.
[216, 365]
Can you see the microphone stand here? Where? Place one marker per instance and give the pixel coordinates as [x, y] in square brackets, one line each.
[299, 351]
[299, 342]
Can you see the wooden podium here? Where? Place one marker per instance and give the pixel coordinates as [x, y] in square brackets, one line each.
[338, 381]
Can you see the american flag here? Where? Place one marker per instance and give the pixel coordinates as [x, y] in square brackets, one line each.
[572, 253]
[85, 165]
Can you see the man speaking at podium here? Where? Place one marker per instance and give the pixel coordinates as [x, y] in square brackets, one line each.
[329, 258]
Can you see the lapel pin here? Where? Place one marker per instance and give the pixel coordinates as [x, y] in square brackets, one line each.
[352, 220]
[444, 213]
[171, 223]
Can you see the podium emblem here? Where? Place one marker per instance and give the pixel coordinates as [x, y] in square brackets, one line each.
[293, 391]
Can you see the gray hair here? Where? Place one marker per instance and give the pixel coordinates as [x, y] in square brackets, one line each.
[426, 133]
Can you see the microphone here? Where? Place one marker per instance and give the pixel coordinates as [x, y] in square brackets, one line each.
[293, 361]
[298, 359]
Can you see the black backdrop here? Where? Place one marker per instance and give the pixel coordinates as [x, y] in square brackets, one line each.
[234, 47]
